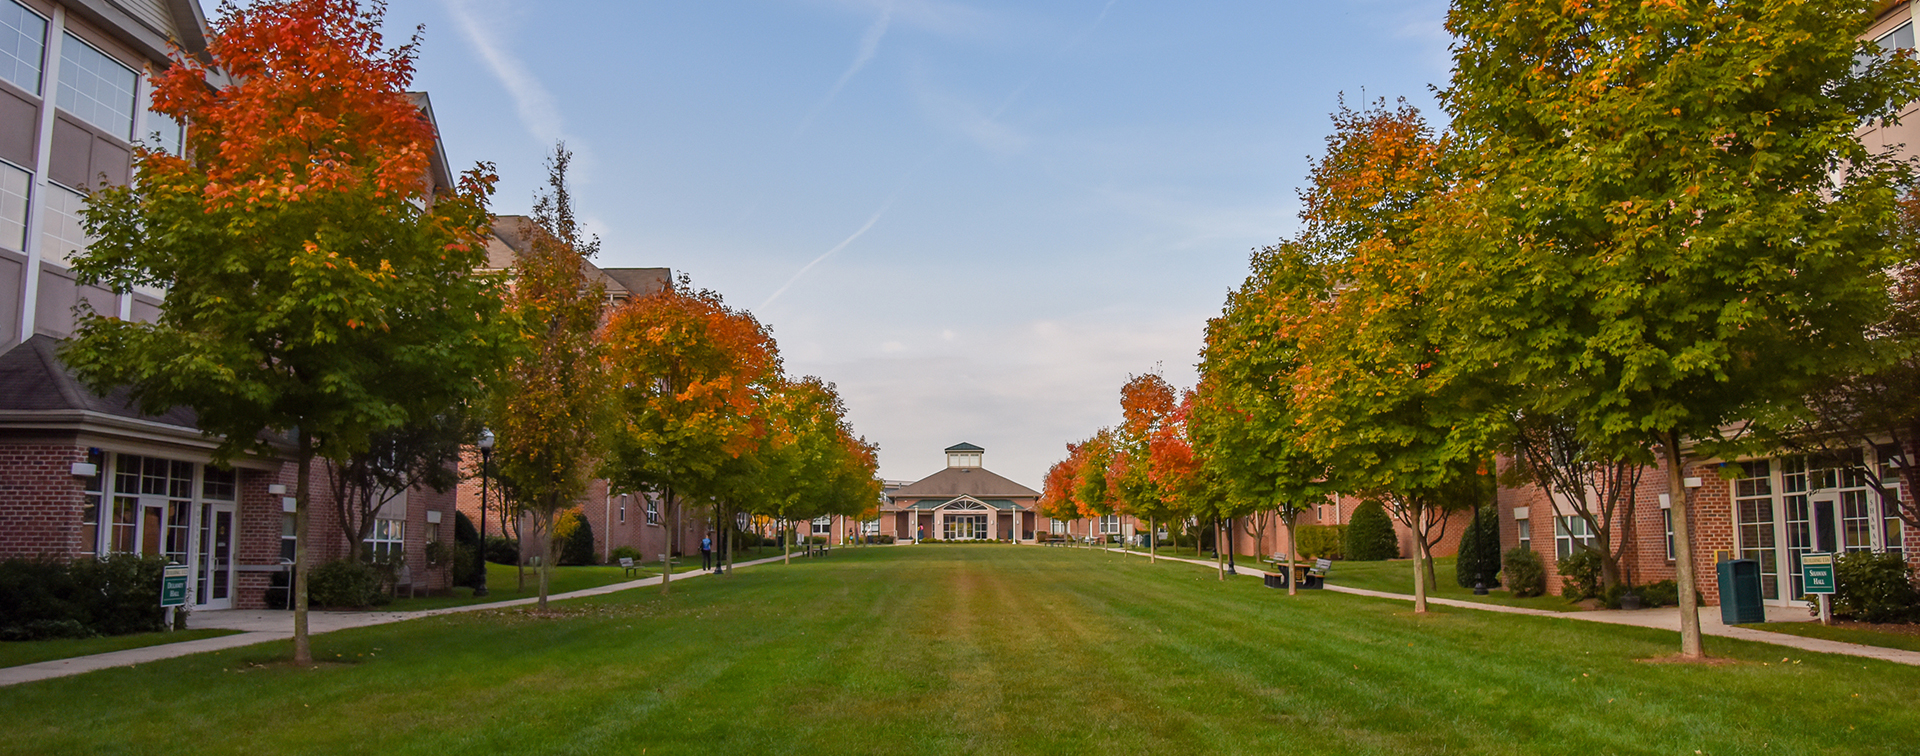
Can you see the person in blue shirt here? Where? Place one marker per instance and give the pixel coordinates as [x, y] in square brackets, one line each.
[706, 552]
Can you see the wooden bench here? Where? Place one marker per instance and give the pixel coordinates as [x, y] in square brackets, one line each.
[626, 563]
[1313, 578]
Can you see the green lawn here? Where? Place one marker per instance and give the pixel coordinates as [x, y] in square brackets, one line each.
[983, 650]
[16, 653]
[1396, 576]
[1843, 634]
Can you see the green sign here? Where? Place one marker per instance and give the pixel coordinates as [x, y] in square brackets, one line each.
[173, 586]
[1816, 573]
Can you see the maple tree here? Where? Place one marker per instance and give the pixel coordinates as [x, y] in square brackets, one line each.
[1384, 396]
[549, 408]
[1691, 236]
[1056, 494]
[691, 374]
[1244, 420]
[1146, 407]
[316, 285]
[811, 462]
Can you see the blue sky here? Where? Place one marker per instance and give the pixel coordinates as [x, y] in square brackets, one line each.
[977, 218]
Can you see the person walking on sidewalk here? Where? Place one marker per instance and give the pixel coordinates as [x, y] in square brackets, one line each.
[706, 552]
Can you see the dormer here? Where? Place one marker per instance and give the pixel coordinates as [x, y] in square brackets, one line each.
[964, 454]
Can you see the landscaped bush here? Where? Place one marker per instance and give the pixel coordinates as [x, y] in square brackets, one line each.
[1318, 541]
[1580, 575]
[1370, 536]
[1480, 551]
[1659, 593]
[462, 560]
[626, 552]
[346, 584]
[886, 538]
[51, 599]
[463, 530]
[503, 550]
[578, 547]
[1526, 576]
[1874, 588]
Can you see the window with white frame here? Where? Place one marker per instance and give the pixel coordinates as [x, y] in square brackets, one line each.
[61, 223]
[1754, 521]
[1524, 528]
[23, 42]
[288, 538]
[1109, 524]
[1058, 527]
[1570, 532]
[822, 525]
[1666, 518]
[653, 510]
[95, 489]
[95, 87]
[388, 541]
[15, 187]
[623, 509]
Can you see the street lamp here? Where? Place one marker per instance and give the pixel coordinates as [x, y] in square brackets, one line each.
[480, 566]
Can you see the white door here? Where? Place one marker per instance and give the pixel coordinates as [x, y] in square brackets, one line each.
[213, 567]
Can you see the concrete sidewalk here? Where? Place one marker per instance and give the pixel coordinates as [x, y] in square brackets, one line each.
[263, 626]
[1663, 618]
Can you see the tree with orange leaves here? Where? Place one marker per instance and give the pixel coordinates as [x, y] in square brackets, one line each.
[692, 373]
[315, 287]
[810, 462]
[1136, 479]
[1056, 495]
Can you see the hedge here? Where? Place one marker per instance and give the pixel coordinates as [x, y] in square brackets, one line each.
[45, 598]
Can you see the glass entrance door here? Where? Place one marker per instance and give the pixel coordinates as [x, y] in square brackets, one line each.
[214, 566]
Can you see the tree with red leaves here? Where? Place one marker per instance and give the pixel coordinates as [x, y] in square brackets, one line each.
[316, 286]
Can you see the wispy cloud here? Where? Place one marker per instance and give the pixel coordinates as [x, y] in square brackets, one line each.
[829, 253]
[869, 44]
[536, 107]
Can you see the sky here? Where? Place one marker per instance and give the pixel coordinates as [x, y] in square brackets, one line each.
[977, 218]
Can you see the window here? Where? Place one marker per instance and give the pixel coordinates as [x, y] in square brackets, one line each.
[1525, 529]
[1666, 517]
[23, 41]
[1754, 523]
[966, 527]
[65, 234]
[96, 87]
[822, 525]
[217, 484]
[14, 185]
[1109, 524]
[623, 509]
[388, 542]
[1570, 532]
[433, 532]
[653, 510]
[287, 539]
[1898, 39]
[1059, 527]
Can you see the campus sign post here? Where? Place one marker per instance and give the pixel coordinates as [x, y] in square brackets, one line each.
[1816, 574]
[173, 589]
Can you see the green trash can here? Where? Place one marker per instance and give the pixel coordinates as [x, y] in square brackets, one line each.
[1740, 599]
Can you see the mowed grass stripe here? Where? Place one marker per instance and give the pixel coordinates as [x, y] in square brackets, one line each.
[988, 649]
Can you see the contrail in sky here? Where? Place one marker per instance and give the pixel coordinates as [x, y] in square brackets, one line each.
[538, 112]
[869, 44]
[829, 253]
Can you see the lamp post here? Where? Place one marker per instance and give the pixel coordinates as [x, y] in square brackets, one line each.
[480, 566]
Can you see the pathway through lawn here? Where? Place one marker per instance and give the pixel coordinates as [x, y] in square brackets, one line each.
[978, 649]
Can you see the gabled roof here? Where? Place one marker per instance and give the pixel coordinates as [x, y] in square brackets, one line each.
[33, 379]
[968, 481]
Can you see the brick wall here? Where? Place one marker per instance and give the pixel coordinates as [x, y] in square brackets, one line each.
[40, 500]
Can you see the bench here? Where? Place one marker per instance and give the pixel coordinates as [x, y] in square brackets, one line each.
[626, 563]
[1313, 578]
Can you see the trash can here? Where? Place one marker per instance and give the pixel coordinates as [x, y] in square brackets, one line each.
[1740, 599]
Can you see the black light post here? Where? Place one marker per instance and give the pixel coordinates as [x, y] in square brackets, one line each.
[480, 566]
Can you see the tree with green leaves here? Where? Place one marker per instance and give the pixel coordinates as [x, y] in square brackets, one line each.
[1244, 421]
[420, 453]
[1147, 404]
[316, 284]
[1684, 233]
[550, 408]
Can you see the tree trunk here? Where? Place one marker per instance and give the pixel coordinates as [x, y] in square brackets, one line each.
[1152, 556]
[1419, 562]
[302, 643]
[1231, 550]
[552, 541]
[1219, 565]
[786, 543]
[666, 559]
[1293, 558]
[519, 555]
[1690, 646]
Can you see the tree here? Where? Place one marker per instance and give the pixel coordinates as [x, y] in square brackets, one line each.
[691, 373]
[1146, 408]
[316, 285]
[1385, 396]
[1547, 450]
[1056, 495]
[1092, 496]
[395, 460]
[1479, 560]
[550, 408]
[1244, 419]
[813, 465]
[1685, 233]
[1370, 536]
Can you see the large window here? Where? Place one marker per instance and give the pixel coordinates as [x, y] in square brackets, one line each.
[1569, 532]
[966, 527]
[822, 526]
[23, 41]
[653, 510]
[1058, 527]
[1753, 516]
[1524, 527]
[65, 234]
[388, 542]
[14, 189]
[96, 87]
[1109, 524]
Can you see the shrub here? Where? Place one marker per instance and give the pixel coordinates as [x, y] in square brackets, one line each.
[1316, 541]
[887, 538]
[1580, 575]
[438, 553]
[1526, 576]
[1874, 588]
[462, 561]
[626, 552]
[503, 550]
[1659, 593]
[1480, 551]
[46, 598]
[1370, 536]
[346, 584]
[578, 548]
